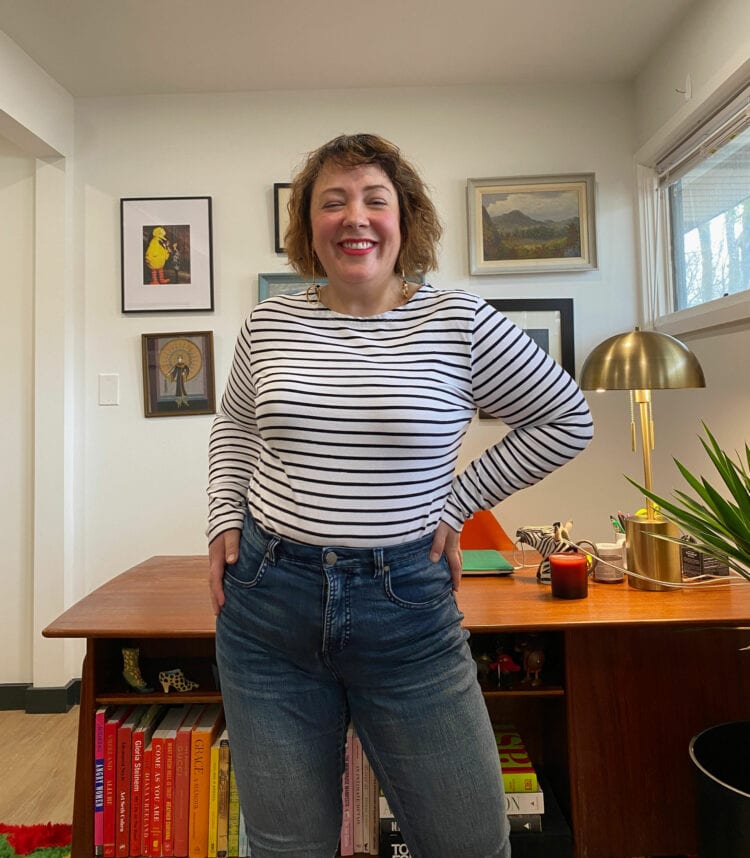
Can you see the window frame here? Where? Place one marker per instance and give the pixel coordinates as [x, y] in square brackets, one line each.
[666, 156]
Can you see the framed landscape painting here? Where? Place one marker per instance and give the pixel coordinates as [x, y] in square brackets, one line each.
[531, 224]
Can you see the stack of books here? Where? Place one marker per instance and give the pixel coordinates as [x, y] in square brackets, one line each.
[524, 798]
[164, 785]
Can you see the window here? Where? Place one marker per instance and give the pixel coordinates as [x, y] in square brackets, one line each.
[704, 186]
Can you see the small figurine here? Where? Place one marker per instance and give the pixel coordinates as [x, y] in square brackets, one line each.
[131, 670]
[483, 669]
[532, 648]
[505, 666]
[176, 679]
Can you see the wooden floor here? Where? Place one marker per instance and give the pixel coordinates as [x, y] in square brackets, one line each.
[37, 761]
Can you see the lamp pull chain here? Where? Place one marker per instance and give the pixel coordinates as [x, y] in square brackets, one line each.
[633, 435]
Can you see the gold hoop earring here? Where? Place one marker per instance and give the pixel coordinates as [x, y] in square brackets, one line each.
[405, 288]
[313, 288]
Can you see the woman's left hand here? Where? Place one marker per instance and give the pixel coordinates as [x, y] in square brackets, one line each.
[446, 542]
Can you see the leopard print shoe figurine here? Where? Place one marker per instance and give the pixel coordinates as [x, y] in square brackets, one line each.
[176, 679]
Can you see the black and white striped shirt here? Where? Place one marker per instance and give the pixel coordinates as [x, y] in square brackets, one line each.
[345, 431]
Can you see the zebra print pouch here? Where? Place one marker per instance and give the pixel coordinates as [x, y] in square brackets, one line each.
[546, 539]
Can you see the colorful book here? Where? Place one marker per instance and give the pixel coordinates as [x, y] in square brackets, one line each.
[123, 784]
[519, 774]
[141, 735]
[222, 820]
[148, 755]
[202, 737]
[233, 823]
[524, 802]
[359, 834]
[182, 779]
[162, 780]
[111, 726]
[346, 846]
[100, 718]
[213, 799]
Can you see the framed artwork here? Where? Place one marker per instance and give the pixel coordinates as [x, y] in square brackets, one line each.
[178, 374]
[531, 224]
[166, 253]
[283, 284]
[280, 213]
[548, 321]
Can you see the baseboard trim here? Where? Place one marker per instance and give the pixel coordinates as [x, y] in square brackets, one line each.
[40, 701]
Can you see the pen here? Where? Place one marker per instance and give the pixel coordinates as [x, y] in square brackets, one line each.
[617, 524]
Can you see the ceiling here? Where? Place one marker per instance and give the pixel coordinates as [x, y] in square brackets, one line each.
[136, 47]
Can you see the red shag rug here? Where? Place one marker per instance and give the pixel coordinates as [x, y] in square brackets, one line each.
[36, 841]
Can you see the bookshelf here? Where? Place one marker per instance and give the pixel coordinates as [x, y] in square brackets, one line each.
[640, 673]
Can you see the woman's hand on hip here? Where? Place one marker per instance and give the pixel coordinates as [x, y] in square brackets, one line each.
[222, 550]
[446, 542]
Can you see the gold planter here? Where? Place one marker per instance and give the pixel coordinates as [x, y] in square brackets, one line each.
[654, 558]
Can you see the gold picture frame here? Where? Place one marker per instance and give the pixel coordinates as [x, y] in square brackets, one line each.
[531, 224]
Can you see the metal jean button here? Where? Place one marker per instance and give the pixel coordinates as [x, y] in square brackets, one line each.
[331, 558]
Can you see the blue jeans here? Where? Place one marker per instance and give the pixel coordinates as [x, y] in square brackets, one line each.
[312, 637]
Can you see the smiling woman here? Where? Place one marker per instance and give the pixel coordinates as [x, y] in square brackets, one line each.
[335, 516]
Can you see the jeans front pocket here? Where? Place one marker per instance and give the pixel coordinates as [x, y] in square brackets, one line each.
[417, 582]
[251, 565]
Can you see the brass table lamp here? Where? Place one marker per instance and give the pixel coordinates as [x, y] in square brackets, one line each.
[642, 361]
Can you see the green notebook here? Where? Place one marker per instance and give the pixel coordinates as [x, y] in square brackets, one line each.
[485, 561]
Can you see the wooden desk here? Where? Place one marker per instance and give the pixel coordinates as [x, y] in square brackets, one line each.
[642, 673]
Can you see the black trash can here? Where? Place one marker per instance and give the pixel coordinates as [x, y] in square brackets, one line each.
[721, 756]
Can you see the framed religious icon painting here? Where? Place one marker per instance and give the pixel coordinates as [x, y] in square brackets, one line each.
[531, 224]
[178, 374]
[166, 251]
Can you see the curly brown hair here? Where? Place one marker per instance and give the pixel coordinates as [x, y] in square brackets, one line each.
[419, 223]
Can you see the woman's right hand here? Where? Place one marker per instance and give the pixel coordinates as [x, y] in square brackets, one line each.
[223, 550]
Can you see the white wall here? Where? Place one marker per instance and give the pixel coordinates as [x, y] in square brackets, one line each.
[16, 415]
[145, 478]
[713, 46]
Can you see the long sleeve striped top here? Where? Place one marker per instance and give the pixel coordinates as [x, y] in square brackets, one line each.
[345, 431]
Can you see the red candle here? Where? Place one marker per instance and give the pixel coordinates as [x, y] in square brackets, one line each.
[569, 576]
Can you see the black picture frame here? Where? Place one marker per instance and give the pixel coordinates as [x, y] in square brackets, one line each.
[280, 213]
[553, 315]
[166, 254]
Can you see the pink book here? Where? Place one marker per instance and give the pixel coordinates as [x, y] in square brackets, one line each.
[347, 798]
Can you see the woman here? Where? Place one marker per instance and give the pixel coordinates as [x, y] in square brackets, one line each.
[333, 457]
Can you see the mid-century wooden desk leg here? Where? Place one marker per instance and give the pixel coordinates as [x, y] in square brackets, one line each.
[83, 819]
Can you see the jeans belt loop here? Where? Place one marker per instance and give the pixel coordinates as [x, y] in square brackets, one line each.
[377, 556]
[271, 549]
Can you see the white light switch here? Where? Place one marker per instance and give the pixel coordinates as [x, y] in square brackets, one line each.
[109, 389]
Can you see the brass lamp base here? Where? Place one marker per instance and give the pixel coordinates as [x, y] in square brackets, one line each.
[653, 558]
